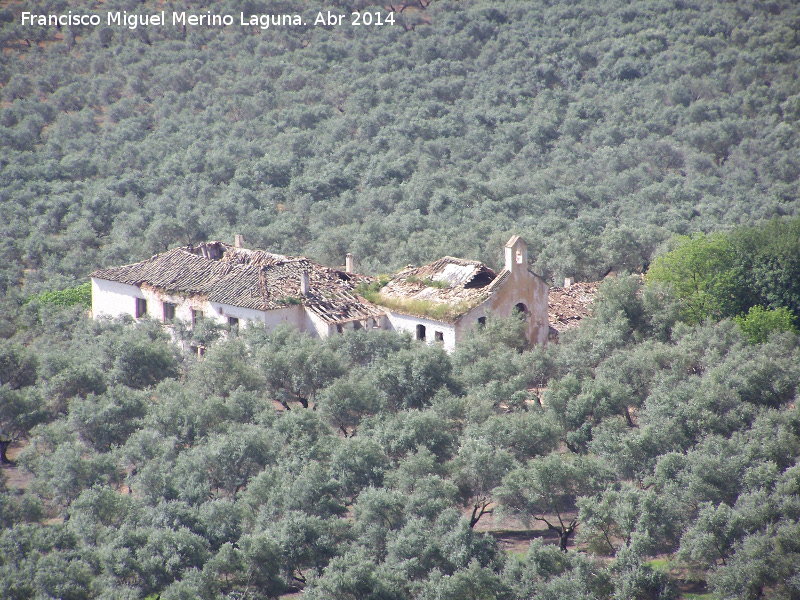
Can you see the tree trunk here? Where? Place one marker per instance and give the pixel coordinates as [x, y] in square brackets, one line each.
[563, 539]
[563, 535]
[628, 417]
[478, 510]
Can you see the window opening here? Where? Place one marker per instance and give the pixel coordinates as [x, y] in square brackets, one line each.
[519, 257]
[197, 316]
[521, 308]
[141, 308]
[420, 332]
[169, 312]
[481, 321]
[438, 336]
[233, 323]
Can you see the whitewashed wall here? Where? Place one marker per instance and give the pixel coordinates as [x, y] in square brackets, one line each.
[116, 299]
[368, 324]
[269, 318]
[315, 326]
[293, 315]
[112, 299]
[221, 312]
[401, 322]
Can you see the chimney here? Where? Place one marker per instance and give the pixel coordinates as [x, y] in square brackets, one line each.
[568, 281]
[304, 285]
[348, 263]
[238, 240]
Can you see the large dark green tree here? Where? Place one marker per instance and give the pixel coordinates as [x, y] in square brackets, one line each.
[546, 490]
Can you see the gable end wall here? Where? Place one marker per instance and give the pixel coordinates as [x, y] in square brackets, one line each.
[530, 290]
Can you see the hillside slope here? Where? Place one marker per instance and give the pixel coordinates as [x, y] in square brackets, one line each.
[595, 130]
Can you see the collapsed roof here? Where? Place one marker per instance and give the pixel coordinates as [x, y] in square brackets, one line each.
[252, 279]
[448, 281]
[445, 280]
[569, 305]
[263, 280]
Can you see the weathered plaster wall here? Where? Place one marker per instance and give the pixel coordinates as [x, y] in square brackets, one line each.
[293, 315]
[269, 318]
[315, 326]
[520, 286]
[183, 305]
[116, 299]
[469, 321]
[530, 290]
[319, 328]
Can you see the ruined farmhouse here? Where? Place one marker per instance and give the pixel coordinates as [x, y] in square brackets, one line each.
[232, 285]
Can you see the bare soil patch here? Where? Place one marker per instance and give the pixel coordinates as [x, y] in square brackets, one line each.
[512, 535]
[16, 477]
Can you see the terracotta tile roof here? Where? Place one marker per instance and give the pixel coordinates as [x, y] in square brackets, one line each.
[567, 306]
[247, 278]
[497, 281]
[177, 270]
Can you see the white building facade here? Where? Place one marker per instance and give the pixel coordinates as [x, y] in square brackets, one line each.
[473, 287]
[438, 303]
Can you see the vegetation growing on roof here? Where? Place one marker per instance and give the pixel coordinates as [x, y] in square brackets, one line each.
[438, 311]
[370, 291]
[427, 281]
[288, 301]
[441, 285]
[596, 129]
